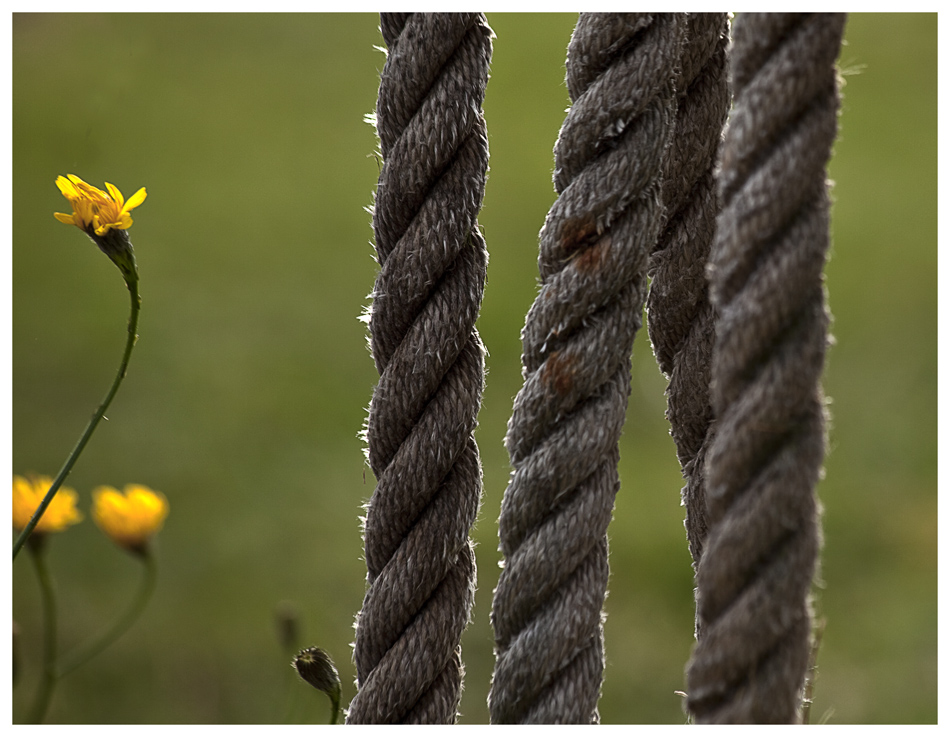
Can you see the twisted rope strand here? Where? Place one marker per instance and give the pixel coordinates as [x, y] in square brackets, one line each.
[764, 462]
[566, 420]
[681, 318]
[420, 430]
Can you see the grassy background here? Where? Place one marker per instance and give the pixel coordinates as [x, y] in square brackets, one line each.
[251, 377]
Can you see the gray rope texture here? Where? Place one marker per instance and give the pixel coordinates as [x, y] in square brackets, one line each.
[566, 420]
[680, 316]
[421, 446]
[766, 282]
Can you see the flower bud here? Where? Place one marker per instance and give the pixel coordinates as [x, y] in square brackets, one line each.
[316, 668]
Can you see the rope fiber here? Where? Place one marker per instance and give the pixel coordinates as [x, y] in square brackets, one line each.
[738, 323]
[681, 318]
[420, 430]
[566, 420]
[764, 461]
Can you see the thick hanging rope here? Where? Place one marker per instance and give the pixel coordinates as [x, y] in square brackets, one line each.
[681, 318]
[421, 447]
[766, 282]
[566, 421]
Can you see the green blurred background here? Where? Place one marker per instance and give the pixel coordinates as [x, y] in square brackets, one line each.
[249, 384]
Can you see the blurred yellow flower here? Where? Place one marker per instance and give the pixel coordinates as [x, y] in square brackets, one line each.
[94, 209]
[27, 495]
[130, 519]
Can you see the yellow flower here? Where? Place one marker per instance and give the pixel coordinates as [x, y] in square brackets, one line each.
[94, 209]
[130, 519]
[27, 495]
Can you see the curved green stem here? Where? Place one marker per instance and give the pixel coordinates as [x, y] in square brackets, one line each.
[334, 705]
[132, 283]
[121, 625]
[316, 668]
[48, 678]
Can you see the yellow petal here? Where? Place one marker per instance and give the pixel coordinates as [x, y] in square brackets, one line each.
[27, 495]
[135, 200]
[67, 188]
[24, 502]
[115, 193]
[64, 218]
[83, 214]
[87, 190]
[107, 498]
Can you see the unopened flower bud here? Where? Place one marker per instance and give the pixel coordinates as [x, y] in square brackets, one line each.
[316, 668]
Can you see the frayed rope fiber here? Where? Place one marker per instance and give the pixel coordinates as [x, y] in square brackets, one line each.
[566, 420]
[421, 447]
[680, 315]
[764, 460]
